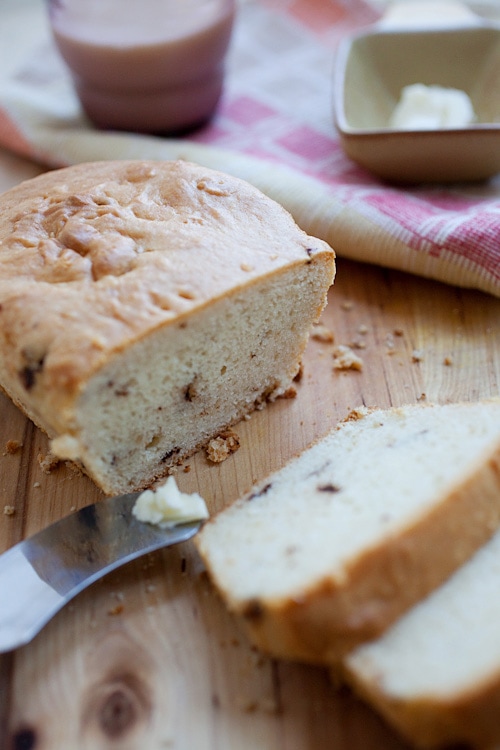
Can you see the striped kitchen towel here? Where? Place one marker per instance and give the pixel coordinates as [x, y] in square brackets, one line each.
[274, 128]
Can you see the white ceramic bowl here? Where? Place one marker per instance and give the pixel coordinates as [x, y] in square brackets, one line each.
[373, 67]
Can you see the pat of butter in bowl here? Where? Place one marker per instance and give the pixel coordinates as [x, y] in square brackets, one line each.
[431, 108]
[167, 506]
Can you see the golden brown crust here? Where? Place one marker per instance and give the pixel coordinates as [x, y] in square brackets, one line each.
[96, 256]
[116, 280]
[472, 717]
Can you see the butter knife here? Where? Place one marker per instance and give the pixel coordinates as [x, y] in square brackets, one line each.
[39, 575]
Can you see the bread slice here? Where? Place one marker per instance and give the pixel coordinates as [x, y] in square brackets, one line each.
[436, 673]
[330, 550]
[146, 306]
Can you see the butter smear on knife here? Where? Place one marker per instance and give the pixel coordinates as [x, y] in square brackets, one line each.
[167, 506]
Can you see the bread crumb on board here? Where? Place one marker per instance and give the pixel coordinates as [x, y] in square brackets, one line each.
[358, 344]
[290, 392]
[345, 359]
[389, 343]
[116, 610]
[219, 448]
[298, 377]
[48, 462]
[322, 333]
[9, 510]
[359, 412]
[12, 447]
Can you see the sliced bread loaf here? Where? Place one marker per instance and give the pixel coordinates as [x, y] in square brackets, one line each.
[147, 306]
[330, 550]
[436, 673]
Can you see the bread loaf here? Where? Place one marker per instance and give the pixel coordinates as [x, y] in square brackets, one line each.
[146, 306]
[435, 675]
[330, 550]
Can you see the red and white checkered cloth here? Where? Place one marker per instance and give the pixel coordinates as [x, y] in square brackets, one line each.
[274, 128]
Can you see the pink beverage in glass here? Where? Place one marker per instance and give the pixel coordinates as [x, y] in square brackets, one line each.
[151, 66]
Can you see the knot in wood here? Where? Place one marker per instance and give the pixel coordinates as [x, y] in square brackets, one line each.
[121, 704]
[118, 714]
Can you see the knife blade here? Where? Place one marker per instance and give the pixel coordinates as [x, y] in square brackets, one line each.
[39, 575]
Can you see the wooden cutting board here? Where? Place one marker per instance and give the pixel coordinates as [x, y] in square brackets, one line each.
[148, 657]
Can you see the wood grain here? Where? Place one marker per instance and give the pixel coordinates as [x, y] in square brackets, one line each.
[148, 657]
